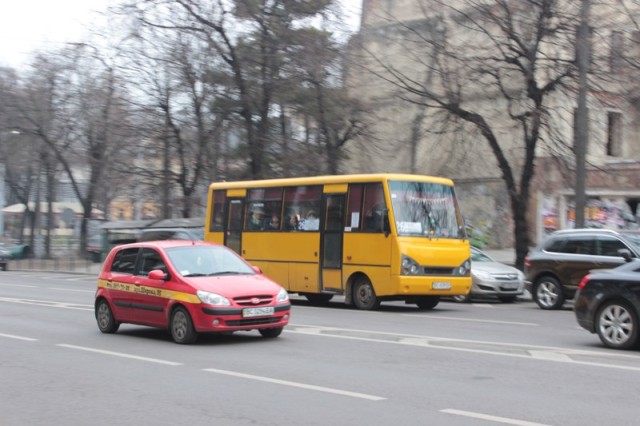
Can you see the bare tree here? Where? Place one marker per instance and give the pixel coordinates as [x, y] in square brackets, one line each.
[495, 67]
[252, 39]
[75, 107]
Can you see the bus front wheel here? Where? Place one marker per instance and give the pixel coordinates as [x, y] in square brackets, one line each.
[318, 299]
[364, 296]
[427, 302]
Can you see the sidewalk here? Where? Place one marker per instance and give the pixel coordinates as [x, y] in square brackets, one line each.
[72, 265]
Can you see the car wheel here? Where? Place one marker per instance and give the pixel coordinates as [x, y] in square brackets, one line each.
[547, 293]
[507, 299]
[462, 298]
[364, 296]
[318, 299]
[271, 332]
[617, 325]
[104, 316]
[426, 303]
[181, 327]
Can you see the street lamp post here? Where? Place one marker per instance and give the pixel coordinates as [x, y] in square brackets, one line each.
[2, 198]
[581, 137]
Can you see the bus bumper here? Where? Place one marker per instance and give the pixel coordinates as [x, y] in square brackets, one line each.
[419, 285]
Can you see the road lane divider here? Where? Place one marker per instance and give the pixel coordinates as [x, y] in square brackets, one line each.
[604, 359]
[12, 336]
[296, 384]
[119, 354]
[49, 303]
[497, 419]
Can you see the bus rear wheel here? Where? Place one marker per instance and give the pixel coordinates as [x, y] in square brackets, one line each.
[364, 296]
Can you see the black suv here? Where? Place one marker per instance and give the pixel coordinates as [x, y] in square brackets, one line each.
[554, 269]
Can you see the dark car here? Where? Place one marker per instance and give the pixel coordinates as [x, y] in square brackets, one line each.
[152, 234]
[555, 268]
[4, 257]
[608, 303]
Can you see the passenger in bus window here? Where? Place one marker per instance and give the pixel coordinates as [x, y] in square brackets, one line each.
[310, 222]
[217, 222]
[294, 221]
[256, 222]
[274, 223]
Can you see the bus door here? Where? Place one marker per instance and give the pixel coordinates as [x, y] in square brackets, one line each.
[234, 218]
[331, 242]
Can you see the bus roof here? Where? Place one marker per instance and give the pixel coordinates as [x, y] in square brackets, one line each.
[330, 179]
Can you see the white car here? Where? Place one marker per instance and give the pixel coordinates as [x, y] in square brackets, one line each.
[493, 279]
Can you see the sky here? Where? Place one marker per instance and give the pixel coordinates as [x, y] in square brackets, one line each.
[30, 25]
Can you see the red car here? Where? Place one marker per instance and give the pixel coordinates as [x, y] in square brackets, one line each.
[188, 287]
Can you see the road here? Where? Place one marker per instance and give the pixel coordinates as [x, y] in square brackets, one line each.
[460, 364]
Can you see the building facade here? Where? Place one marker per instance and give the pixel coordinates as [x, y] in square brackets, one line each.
[401, 41]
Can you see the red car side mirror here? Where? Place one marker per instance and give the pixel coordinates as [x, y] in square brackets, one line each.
[157, 274]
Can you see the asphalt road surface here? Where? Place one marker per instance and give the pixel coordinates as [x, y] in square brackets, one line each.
[483, 363]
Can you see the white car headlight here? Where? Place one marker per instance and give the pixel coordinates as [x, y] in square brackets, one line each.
[212, 298]
[283, 296]
[482, 275]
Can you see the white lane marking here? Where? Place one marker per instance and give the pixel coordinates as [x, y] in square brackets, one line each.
[550, 356]
[11, 336]
[49, 303]
[498, 348]
[72, 289]
[18, 285]
[497, 419]
[529, 324]
[119, 354]
[296, 384]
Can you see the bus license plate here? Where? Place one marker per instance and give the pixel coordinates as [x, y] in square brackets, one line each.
[257, 312]
[441, 285]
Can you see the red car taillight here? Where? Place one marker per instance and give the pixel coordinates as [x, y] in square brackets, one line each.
[584, 282]
[527, 262]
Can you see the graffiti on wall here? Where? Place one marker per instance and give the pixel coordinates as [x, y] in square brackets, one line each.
[600, 212]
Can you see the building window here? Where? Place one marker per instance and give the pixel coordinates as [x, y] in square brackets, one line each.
[614, 134]
[616, 52]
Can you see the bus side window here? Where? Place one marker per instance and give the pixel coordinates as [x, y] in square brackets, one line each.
[217, 211]
[354, 216]
[301, 203]
[375, 209]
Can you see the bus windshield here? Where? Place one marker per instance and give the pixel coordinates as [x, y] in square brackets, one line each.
[425, 209]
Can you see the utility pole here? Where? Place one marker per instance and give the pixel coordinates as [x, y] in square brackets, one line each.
[581, 135]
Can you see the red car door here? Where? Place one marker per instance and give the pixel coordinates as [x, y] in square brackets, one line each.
[152, 300]
[119, 281]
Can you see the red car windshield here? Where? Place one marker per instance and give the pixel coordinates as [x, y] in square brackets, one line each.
[199, 261]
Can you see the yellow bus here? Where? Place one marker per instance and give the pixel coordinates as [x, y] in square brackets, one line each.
[368, 237]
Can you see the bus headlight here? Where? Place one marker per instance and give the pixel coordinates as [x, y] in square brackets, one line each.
[409, 266]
